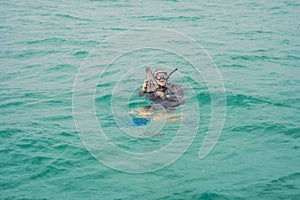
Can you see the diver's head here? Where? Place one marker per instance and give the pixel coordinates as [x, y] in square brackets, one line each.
[160, 77]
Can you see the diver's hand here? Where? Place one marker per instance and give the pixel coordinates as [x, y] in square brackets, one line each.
[160, 94]
[144, 87]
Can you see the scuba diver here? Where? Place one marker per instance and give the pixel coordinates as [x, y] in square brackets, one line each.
[163, 94]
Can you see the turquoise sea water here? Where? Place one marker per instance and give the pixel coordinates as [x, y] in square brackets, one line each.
[256, 46]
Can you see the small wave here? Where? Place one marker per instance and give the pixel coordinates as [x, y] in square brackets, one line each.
[71, 17]
[12, 104]
[25, 144]
[233, 66]
[115, 29]
[60, 41]
[81, 53]
[6, 133]
[59, 67]
[40, 160]
[211, 195]
[263, 50]
[291, 57]
[291, 177]
[281, 188]
[242, 100]
[67, 134]
[158, 18]
[48, 172]
[253, 57]
[251, 33]
[31, 53]
[47, 40]
[292, 4]
[57, 118]
[189, 194]
[269, 127]
[103, 98]
[6, 27]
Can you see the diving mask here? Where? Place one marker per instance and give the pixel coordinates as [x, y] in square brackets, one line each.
[161, 76]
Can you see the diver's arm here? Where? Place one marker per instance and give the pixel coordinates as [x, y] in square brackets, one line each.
[141, 94]
[144, 88]
[176, 94]
[152, 96]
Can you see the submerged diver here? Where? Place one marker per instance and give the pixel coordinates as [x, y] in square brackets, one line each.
[162, 93]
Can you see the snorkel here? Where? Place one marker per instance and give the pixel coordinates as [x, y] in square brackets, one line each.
[170, 74]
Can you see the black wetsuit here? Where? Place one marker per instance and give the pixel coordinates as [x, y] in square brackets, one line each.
[173, 97]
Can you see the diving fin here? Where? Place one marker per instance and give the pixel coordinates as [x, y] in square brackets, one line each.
[152, 86]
